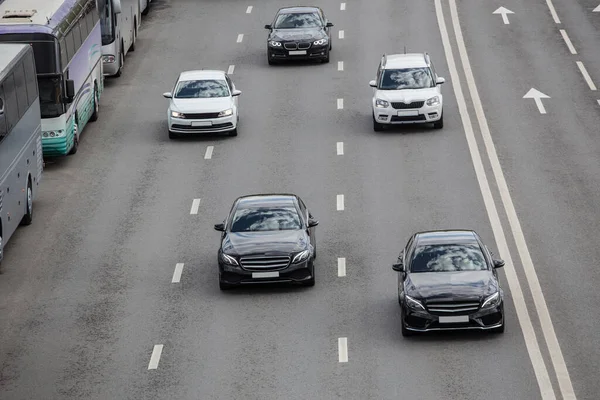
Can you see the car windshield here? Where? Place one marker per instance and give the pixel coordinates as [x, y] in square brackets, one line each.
[448, 258]
[297, 20]
[201, 89]
[275, 218]
[406, 78]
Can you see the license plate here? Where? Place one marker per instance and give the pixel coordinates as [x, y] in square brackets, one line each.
[201, 123]
[297, 52]
[454, 319]
[265, 274]
[407, 113]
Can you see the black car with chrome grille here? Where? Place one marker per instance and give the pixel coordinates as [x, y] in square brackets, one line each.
[299, 33]
[267, 238]
[448, 281]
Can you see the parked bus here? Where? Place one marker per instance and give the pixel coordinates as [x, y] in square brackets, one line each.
[66, 40]
[119, 20]
[21, 160]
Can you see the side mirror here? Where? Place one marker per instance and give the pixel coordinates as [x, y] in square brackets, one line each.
[373, 84]
[440, 80]
[168, 95]
[116, 6]
[220, 227]
[312, 222]
[268, 26]
[498, 263]
[236, 92]
[69, 90]
[399, 267]
[329, 25]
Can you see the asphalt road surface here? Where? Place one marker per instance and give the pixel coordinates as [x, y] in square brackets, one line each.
[93, 303]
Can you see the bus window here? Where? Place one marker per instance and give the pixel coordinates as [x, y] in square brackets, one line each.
[11, 111]
[31, 79]
[3, 129]
[21, 89]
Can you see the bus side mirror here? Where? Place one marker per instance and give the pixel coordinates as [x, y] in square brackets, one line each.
[69, 90]
[116, 6]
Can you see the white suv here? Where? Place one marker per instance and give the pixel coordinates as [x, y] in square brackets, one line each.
[407, 91]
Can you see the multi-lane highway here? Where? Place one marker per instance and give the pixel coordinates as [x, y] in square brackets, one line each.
[112, 293]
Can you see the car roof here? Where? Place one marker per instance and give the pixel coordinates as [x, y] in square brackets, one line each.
[267, 199]
[297, 9]
[201, 74]
[410, 60]
[457, 236]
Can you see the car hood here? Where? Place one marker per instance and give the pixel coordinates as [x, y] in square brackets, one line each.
[213, 104]
[265, 243]
[297, 34]
[451, 286]
[407, 95]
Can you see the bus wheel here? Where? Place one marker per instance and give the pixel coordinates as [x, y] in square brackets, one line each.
[94, 116]
[28, 217]
[121, 62]
[132, 47]
[75, 138]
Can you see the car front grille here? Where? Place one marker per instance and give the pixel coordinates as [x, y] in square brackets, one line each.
[264, 263]
[203, 128]
[202, 115]
[294, 45]
[453, 308]
[304, 45]
[405, 106]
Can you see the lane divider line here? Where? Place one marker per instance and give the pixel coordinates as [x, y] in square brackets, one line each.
[230, 69]
[155, 358]
[177, 273]
[340, 65]
[340, 104]
[340, 148]
[240, 38]
[343, 349]
[343, 6]
[553, 11]
[195, 206]
[209, 151]
[341, 34]
[340, 202]
[568, 41]
[249, 10]
[341, 267]
[586, 76]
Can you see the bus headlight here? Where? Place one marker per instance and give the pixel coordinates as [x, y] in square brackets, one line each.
[108, 59]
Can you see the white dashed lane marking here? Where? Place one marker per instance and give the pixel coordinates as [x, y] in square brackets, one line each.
[230, 69]
[586, 76]
[341, 266]
[340, 202]
[155, 358]
[340, 65]
[209, 151]
[340, 148]
[568, 41]
[340, 104]
[249, 10]
[177, 273]
[343, 349]
[195, 206]
[342, 6]
[341, 34]
[240, 38]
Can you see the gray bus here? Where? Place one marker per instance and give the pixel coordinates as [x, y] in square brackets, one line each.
[21, 160]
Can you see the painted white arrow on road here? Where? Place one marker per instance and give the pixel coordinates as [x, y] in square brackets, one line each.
[597, 9]
[504, 12]
[537, 96]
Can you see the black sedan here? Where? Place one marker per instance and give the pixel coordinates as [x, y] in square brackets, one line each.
[299, 33]
[267, 238]
[448, 280]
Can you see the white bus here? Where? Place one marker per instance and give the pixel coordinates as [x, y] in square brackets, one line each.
[145, 6]
[21, 161]
[119, 21]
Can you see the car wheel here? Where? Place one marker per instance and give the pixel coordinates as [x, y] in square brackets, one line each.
[377, 127]
[311, 281]
[326, 59]
[405, 332]
[224, 286]
[233, 132]
[172, 135]
[499, 329]
[440, 123]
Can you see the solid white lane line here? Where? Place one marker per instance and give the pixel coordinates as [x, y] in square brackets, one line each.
[177, 273]
[155, 358]
[556, 356]
[341, 34]
[531, 342]
[340, 202]
[340, 148]
[342, 6]
[553, 11]
[341, 266]
[598, 100]
[340, 65]
[240, 38]
[340, 104]
[586, 76]
[568, 41]
[343, 349]
[195, 206]
[209, 151]
[249, 10]
[230, 69]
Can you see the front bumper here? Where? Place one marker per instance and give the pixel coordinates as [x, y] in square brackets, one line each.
[293, 273]
[213, 125]
[423, 115]
[423, 321]
[110, 69]
[314, 52]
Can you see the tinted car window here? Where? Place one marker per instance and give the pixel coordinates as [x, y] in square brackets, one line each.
[297, 20]
[252, 219]
[201, 89]
[407, 78]
[448, 258]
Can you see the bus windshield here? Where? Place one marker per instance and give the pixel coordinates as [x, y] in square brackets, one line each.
[51, 104]
[106, 22]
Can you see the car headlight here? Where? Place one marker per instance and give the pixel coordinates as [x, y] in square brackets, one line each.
[381, 103]
[176, 114]
[320, 42]
[301, 257]
[414, 304]
[274, 43]
[227, 259]
[433, 101]
[492, 301]
[226, 113]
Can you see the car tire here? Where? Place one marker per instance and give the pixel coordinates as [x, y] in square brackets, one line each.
[440, 123]
[28, 217]
[310, 282]
[233, 132]
[377, 127]
[172, 135]
[326, 59]
[405, 332]
[224, 286]
[499, 329]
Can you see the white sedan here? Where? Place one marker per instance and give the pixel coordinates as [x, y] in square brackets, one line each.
[203, 101]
